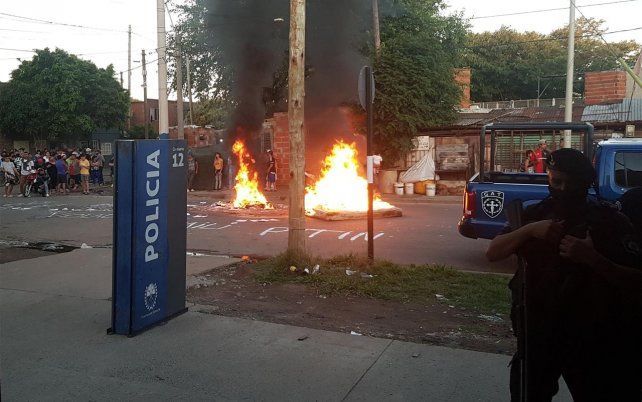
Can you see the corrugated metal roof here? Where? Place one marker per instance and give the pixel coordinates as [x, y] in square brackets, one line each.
[627, 110]
[526, 114]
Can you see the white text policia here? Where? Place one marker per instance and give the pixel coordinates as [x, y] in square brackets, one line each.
[152, 186]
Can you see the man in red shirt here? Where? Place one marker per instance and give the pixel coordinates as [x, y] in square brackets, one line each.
[538, 157]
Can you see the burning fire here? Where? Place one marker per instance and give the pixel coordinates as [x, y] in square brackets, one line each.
[247, 189]
[340, 188]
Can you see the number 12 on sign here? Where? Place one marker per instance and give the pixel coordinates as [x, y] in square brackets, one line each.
[178, 159]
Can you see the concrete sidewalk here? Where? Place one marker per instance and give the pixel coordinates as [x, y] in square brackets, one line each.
[54, 312]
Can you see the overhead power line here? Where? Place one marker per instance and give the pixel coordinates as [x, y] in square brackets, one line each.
[549, 9]
[609, 46]
[75, 54]
[61, 23]
[47, 22]
[554, 39]
[18, 50]
[469, 47]
[139, 66]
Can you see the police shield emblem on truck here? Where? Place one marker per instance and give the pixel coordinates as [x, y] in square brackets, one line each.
[492, 202]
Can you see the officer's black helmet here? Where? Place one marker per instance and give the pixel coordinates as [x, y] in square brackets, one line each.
[572, 162]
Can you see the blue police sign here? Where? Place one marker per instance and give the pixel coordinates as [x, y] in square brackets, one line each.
[149, 242]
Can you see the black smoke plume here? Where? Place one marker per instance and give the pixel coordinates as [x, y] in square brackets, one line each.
[248, 37]
[252, 36]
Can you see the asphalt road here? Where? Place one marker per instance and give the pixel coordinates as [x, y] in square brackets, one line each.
[426, 233]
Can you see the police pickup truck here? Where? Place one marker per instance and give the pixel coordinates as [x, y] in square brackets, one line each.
[618, 164]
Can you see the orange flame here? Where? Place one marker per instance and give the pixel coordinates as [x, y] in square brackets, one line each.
[247, 184]
[340, 188]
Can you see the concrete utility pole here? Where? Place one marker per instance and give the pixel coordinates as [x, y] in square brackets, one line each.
[163, 118]
[145, 109]
[296, 100]
[568, 103]
[189, 93]
[129, 77]
[375, 26]
[121, 79]
[179, 90]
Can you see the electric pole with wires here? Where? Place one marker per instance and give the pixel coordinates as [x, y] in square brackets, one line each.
[189, 92]
[129, 78]
[568, 103]
[163, 118]
[179, 90]
[145, 108]
[375, 26]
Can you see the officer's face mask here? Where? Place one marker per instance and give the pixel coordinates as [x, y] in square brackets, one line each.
[566, 189]
[574, 196]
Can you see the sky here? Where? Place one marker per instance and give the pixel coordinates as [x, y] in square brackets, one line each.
[102, 38]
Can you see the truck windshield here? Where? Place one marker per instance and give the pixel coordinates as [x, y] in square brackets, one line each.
[628, 169]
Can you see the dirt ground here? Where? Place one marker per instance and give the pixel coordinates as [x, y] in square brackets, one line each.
[233, 291]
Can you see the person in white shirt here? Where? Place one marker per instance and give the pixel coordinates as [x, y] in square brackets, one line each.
[26, 166]
[10, 174]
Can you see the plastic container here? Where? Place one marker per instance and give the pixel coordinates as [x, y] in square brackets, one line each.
[431, 189]
[398, 188]
[387, 180]
[420, 187]
[410, 188]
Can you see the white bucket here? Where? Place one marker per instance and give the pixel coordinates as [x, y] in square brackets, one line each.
[431, 189]
[398, 188]
[410, 188]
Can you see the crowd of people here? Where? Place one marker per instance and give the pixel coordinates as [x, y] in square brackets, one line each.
[52, 171]
[69, 170]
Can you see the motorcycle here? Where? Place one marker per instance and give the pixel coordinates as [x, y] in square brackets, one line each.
[41, 183]
[34, 183]
[31, 180]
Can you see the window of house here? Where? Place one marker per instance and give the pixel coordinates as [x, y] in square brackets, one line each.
[95, 144]
[266, 141]
[628, 169]
[105, 148]
[153, 114]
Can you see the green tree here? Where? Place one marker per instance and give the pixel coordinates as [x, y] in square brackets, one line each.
[414, 71]
[212, 112]
[211, 76]
[138, 132]
[506, 63]
[58, 97]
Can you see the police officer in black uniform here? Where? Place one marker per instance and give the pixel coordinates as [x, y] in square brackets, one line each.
[584, 291]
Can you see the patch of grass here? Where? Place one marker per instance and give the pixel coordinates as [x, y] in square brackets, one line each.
[481, 293]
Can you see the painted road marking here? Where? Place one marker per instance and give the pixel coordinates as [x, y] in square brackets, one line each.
[104, 211]
[316, 232]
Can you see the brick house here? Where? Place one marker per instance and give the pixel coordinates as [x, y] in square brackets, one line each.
[139, 118]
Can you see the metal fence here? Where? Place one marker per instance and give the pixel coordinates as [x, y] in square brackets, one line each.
[521, 103]
[510, 148]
